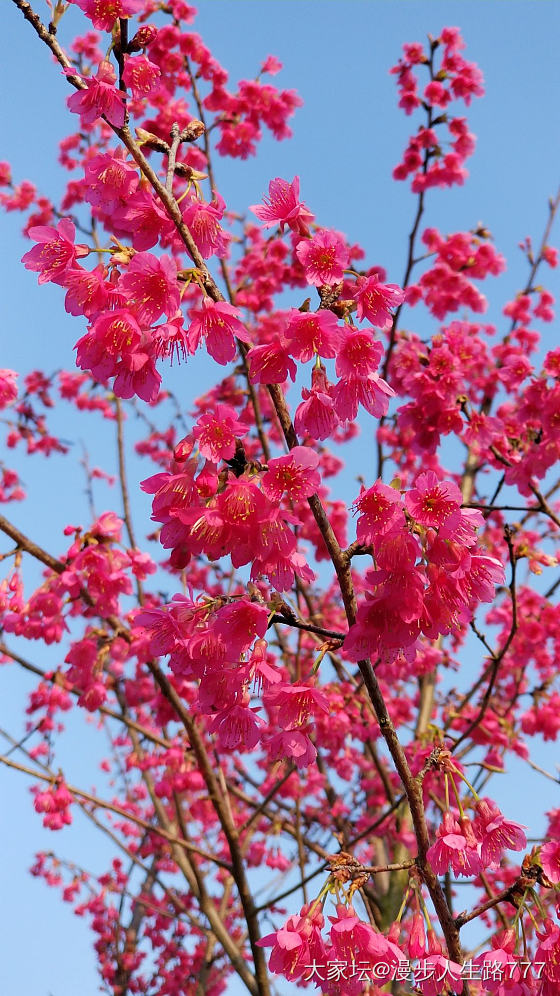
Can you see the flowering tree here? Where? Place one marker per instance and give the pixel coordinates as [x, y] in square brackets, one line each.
[306, 701]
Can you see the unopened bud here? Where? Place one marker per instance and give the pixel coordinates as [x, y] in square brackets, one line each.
[143, 37]
[193, 131]
[152, 141]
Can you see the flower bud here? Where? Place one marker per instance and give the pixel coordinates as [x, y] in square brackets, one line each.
[143, 37]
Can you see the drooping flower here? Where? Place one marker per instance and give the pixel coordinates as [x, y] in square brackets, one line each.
[237, 727]
[312, 333]
[354, 941]
[239, 623]
[548, 954]
[87, 291]
[218, 324]
[8, 387]
[434, 503]
[496, 833]
[109, 181]
[293, 704]
[435, 974]
[100, 97]
[359, 353]
[293, 744]
[170, 339]
[203, 222]
[375, 301]
[270, 364]
[150, 285]
[498, 965]
[297, 944]
[137, 375]
[371, 392]
[283, 207]
[294, 475]
[216, 433]
[55, 252]
[315, 416]
[323, 257]
[452, 848]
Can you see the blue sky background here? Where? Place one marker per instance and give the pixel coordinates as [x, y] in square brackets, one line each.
[347, 137]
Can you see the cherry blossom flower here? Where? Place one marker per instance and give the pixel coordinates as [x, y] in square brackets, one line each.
[371, 392]
[104, 13]
[99, 98]
[283, 206]
[375, 301]
[452, 848]
[498, 964]
[353, 940]
[239, 623]
[548, 953]
[8, 387]
[87, 291]
[109, 181]
[436, 974]
[218, 324]
[203, 222]
[316, 416]
[216, 433]
[236, 727]
[550, 860]
[294, 744]
[434, 503]
[359, 354]
[294, 475]
[293, 704]
[150, 285]
[496, 833]
[55, 253]
[312, 334]
[140, 75]
[270, 364]
[298, 944]
[324, 258]
[380, 510]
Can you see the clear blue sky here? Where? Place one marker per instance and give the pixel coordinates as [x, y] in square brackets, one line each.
[347, 138]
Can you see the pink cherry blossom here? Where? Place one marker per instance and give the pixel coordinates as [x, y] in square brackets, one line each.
[294, 475]
[550, 860]
[452, 848]
[496, 833]
[150, 284]
[324, 258]
[312, 334]
[359, 354]
[55, 253]
[376, 300]
[104, 13]
[100, 97]
[203, 221]
[218, 325]
[270, 364]
[434, 503]
[8, 387]
[379, 509]
[216, 433]
[283, 206]
[140, 75]
[109, 181]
